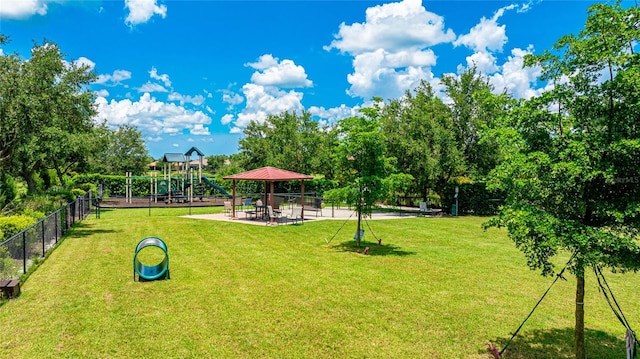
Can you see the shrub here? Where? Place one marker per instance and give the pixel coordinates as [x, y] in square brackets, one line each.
[8, 268]
[12, 225]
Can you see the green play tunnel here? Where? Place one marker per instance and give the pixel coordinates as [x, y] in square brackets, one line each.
[151, 272]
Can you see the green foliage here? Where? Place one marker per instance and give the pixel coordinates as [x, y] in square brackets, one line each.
[475, 111]
[126, 152]
[572, 184]
[113, 185]
[46, 109]
[361, 161]
[8, 267]
[78, 192]
[473, 198]
[8, 191]
[12, 225]
[216, 163]
[419, 133]
[397, 185]
[290, 141]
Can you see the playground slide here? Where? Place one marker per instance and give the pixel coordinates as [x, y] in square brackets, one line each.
[206, 180]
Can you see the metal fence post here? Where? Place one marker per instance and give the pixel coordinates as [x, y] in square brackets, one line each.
[24, 252]
[43, 237]
[55, 222]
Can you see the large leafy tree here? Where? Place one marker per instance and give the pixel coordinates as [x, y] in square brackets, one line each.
[420, 132]
[572, 176]
[474, 110]
[44, 104]
[125, 151]
[288, 140]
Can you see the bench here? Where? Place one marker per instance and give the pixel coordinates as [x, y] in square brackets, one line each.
[10, 288]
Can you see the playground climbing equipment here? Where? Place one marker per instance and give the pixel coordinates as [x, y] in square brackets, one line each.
[151, 272]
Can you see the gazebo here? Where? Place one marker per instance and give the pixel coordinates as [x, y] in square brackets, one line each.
[269, 175]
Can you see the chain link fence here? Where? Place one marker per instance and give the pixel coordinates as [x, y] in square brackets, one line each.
[20, 251]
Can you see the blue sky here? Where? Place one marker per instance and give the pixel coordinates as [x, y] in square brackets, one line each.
[195, 73]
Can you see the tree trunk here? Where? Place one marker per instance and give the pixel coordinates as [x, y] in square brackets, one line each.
[31, 183]
[579, 330]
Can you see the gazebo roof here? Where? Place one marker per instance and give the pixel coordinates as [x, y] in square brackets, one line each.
[268, 174]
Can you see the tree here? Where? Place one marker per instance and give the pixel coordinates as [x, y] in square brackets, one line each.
[44, 103]
[419, 132]
[361, 162]
[216, 162]
[11, 120]
[572, 178]
[287, 140]
[474, 109]
[125, 151]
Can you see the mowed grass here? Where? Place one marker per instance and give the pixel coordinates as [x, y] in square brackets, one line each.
[436, 288]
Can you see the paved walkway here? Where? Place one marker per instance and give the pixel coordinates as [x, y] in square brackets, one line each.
[327, 214]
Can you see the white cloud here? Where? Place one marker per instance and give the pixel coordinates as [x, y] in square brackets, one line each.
[334, 114]
[526, 7]
[200, 130]
[153, 73]
[83, 61]
[285, 73]
[151, 116]
[486, 35]
[379, 74]
[114, 79]
[141, 11]
[102, 93]
[391, 48]
[154, 139]
[484, 61]
[22, 9]
[152, 87]
[231, 98]
[195, 100]
[393, 27]
[226, 119]
[515, 79]
[261, 102]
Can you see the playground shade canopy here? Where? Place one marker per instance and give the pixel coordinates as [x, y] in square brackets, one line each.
[269, 175]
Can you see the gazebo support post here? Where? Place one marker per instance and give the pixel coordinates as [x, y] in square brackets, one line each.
[302, 199]
[233, 200]
[266, 198]
[271, 200]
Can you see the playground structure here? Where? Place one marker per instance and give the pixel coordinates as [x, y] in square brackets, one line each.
[151, 272]
[180, 180]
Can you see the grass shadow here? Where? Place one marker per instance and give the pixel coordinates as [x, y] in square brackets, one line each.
[559, 344]
[83, 229]
[374, 249]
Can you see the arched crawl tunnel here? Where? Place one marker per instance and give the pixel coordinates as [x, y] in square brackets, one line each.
[147, 272]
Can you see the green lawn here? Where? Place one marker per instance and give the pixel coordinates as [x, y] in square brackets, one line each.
[436, 288]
